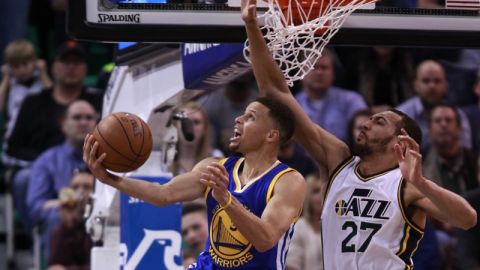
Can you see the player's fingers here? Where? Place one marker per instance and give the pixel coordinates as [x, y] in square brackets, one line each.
[85, 149]
[93, 152]
[207, 177]
[101, 158]
[398, 152]
[409, 141]
[221, 168]
[415, 153]
[208, 183]
[219, 176]
[413, 143]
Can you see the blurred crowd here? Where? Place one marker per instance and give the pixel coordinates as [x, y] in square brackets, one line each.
[47, 109]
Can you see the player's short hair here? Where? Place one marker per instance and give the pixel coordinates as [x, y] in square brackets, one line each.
[445, 105]
[410, 126]
[282, 117]
[193, 207]
[19, 51]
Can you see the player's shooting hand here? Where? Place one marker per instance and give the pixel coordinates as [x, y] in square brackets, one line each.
[409, 159]
[216, 177]
[94, 163]
[249, 10]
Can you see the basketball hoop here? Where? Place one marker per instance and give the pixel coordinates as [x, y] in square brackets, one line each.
[297, 31]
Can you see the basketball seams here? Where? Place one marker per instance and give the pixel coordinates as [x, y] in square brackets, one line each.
[123, 158]
[110, 146]
[126, 136]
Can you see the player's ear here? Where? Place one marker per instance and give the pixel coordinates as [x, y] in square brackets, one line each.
[273, 134]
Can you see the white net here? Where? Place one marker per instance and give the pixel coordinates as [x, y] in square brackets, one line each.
[297, 34]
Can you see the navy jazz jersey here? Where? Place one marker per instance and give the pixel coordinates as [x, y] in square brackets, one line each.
[226, 247]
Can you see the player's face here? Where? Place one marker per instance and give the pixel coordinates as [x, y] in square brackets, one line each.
[444, 129]
[431, 83]
[79, 121]
[251, 129]
[358, 125]
[377, 134]
[195, 230]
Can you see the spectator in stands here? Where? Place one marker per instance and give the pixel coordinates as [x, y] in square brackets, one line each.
[191, 152]
[23, 75]
[38, 126]
[70, 249]
[224, 105]
[194, 227]
[305, 250]
[329, 106]
[431, 86]
[468, 245]
[54, 168]
[382, 75]
[355, 126]
[453, 166]
[473, 114]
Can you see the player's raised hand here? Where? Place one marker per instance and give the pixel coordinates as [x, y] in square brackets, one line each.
[409, 158]
[249, 10]
[94, 163]
[216, 177]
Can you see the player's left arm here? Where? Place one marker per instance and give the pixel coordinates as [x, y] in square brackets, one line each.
[424, 194]
[281, 211]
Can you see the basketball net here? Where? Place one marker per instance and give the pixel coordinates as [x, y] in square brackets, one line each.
[298, 31]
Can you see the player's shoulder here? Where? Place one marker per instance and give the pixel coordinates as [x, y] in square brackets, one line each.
[291, 177]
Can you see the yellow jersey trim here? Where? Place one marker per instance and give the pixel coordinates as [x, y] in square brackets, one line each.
[274, 181]
[236, 178]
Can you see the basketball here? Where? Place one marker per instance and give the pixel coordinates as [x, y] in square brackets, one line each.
[126, 139]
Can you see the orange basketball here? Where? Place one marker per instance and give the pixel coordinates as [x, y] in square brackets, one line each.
[126, 139]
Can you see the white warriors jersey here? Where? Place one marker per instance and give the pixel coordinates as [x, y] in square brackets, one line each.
[364, 225]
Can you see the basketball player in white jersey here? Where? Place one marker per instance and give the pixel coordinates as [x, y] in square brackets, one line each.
[376, 203]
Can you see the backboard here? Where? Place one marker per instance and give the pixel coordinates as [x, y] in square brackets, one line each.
[219, 21]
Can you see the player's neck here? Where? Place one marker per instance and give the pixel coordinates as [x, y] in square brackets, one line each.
[256, 164]
[376, 163]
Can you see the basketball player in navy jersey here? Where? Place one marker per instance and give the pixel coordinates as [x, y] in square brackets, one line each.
[253, 201]
[376, 203]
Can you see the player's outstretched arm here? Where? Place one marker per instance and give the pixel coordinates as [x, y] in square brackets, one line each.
[185, 187]
[271, 83]
[281, 211]
[434, 200]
